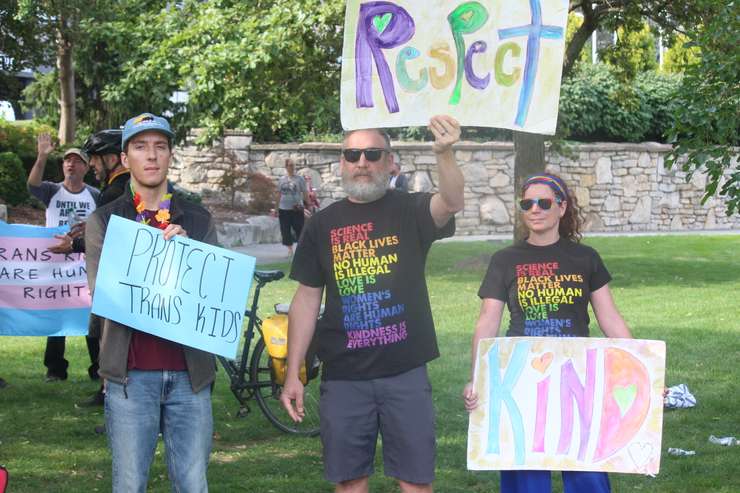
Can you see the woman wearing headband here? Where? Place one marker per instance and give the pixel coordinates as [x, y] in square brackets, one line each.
[562, 277]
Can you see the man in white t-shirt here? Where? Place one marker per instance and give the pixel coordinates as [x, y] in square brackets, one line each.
[69, 202]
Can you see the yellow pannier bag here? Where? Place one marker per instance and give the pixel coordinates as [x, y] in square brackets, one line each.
[275, 334]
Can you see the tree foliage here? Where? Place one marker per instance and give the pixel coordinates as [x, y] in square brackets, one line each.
[57, 24]
[633, 53]
[681, 54]
[270, 66]
[706, 127]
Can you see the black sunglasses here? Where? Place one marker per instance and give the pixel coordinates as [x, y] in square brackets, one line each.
[372, 154]
[543, 204]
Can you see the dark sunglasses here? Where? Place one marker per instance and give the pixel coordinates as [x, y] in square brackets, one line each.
[543, 204]
[372, 154]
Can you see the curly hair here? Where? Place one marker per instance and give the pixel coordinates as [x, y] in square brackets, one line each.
[572, 221]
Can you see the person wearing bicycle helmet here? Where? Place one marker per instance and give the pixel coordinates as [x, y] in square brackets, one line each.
[104, 149]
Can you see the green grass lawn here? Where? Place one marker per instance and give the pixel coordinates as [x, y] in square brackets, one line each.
[684, 290]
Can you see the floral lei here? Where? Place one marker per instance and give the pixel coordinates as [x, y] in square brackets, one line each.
[163, 213]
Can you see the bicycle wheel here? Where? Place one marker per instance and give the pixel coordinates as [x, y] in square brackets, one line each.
[268, 396]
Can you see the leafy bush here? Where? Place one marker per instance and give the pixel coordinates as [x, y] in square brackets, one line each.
[595, 105]
[12, 179]
[262, 189]
[659, 93]
[20, 139]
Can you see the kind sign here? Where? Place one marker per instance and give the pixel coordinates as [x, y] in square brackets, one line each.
[568, 404]
[488, 63]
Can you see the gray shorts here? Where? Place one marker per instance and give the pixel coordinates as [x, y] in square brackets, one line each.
[400, 407]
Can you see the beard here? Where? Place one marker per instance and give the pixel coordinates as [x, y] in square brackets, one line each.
[365, 191]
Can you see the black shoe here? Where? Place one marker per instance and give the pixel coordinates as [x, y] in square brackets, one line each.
[3, 383]
[96, 399]
[51, 377]
[100, 430]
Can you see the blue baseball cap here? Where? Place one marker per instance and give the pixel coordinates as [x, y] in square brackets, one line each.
[144, 123]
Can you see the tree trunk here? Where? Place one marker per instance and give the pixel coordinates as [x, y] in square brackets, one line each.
[529, 160]
[68, 114]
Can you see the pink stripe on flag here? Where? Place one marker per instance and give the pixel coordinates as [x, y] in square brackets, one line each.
[31, 250]
[48, 297]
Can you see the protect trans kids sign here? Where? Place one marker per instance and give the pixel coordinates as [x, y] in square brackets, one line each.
[181, 290]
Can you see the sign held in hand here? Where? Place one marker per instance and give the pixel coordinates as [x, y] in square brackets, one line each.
[41, 293]
[568, 404]
[487, 63]
[182, 290]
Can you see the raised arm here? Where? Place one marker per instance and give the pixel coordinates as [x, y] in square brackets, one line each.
[450, 198]
[611, 322]
[488, 325]
[304, 310]
[44, 147]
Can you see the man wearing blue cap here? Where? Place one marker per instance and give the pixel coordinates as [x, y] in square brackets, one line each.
[153, 385]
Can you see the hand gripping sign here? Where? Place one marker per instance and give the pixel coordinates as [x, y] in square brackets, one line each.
[572, 404]
[181, 290]
[487, 63]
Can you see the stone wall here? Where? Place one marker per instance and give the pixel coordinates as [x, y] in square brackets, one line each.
[620, 187]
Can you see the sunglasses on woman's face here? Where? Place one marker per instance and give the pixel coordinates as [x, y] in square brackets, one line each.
[543, 204]
[372, 154]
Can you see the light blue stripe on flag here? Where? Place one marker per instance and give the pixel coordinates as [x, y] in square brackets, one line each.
[29, 231]
[67, 322]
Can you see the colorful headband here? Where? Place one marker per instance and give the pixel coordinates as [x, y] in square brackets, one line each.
[556, 184]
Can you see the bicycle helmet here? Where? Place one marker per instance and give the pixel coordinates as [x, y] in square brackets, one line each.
[103, 142]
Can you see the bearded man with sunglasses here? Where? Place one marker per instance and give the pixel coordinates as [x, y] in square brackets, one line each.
[377, 334]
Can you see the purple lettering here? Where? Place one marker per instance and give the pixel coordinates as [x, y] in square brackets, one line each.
[380, 25]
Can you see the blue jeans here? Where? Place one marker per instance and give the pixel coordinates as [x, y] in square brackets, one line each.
[540, 482]
[154, 402]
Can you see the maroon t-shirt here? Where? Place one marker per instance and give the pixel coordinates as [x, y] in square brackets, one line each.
[149, 352]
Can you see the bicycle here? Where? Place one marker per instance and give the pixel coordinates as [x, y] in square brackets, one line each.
[267, 373]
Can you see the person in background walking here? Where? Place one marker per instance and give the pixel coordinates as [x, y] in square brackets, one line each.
[292, 195]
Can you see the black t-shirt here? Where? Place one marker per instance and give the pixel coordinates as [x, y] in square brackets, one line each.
[371, 257]
[547, 288]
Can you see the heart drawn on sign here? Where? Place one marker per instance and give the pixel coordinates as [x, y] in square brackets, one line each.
[381, 21]
[641, 454]
[625, 397]
[542, 363]
[467, 15]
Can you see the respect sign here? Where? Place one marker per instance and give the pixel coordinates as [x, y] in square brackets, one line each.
[568, 404]
[487, 63]
[41, 293]
[182, 290]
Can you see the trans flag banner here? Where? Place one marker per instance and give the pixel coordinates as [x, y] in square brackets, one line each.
[41, 293]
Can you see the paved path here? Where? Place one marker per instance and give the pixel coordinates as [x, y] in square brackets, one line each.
[270, 253]
[266, 253]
